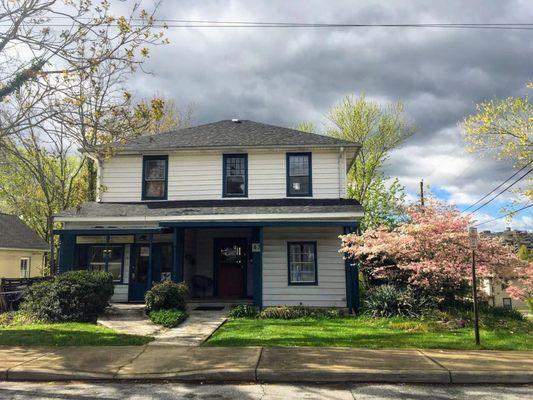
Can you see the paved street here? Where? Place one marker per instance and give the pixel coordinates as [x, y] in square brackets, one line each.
[139, 391]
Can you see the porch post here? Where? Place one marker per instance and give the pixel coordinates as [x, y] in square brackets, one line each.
[257, 239]
[150, 262]
[178, 250]
[352, 278]
[67, 247]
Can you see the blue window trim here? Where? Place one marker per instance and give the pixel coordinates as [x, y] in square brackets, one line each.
[315, 282]
[143, 182]
[287, 177]
[224, 174]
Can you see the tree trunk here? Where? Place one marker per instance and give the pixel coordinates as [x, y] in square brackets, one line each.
[52, 259]
[91, 180]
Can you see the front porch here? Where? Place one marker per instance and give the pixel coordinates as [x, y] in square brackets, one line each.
[219, 265]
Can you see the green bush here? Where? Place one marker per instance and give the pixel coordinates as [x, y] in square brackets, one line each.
[16, 318]
[293, 312]
[244, 311]
[391, 301]
[75, 296]
[167, 318]
[166, 295]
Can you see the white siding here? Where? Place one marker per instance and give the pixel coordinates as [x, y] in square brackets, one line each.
[121, 178]
[198, 176]
[331, 288]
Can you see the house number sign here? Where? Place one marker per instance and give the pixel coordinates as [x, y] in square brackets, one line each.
[256, 247]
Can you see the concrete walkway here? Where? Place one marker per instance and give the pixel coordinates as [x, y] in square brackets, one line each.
[249, 364]
[132, 319]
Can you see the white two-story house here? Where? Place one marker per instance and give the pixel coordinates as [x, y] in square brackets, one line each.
[239, 210]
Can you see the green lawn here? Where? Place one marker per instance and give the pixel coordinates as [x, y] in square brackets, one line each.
[368, 333]
[66, 334]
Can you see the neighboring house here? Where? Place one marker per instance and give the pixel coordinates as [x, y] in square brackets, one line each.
[22, 251]
[496, 293]
[239, 210]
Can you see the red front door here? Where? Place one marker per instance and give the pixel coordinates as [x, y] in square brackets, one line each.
[230, 264]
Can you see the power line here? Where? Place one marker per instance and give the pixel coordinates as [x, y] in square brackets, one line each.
[500, 192]
[499, 186]
[505, 215]
[178, 23]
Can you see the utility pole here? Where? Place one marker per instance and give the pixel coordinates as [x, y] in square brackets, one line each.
[422, 192]
[472, 234]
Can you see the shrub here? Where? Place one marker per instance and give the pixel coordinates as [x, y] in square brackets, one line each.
[16, 318]
[75, 296]
[167, 318]
[391, 301]
[293, 312]
[244, 311]
[166, 295]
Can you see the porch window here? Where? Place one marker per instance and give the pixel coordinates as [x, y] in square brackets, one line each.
[102, 258]
[155, 179]
[302, 263]
[299, 174]
[235, 175]
[25, 267]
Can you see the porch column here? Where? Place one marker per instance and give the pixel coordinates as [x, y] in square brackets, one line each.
[257, 254]
[67, 248]
[178, 250]
[150, 262]
[352, 278]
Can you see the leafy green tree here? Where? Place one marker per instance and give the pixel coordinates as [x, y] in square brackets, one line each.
[503, 128]
[377, 128]
[306, 126]
[523, 253]
[384, 205]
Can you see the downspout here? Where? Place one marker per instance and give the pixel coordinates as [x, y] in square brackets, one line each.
[99, 171]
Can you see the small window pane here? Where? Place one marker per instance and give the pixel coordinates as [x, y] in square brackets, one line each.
[507, 303]
[302, 263]
[154, 170]
[155, 189]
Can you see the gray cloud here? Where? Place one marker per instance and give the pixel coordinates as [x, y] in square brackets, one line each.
[284, 76]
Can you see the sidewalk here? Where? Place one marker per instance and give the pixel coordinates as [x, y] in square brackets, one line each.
[248, 364]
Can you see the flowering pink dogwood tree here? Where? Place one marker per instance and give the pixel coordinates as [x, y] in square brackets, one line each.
[431, 254]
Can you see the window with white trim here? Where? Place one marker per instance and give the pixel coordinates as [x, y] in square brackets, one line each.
[302, 263]
[24, 267]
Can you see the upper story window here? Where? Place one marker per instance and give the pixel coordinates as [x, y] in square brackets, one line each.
[235, 176]
[299, 179]
[155, 177]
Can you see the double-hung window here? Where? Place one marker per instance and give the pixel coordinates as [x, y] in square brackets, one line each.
[299, 179]
[155, 179]
[302, 263]
[25, 267]
[235, 175]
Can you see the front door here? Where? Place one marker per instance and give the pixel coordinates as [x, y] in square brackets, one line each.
[230, 267]
[139, 271]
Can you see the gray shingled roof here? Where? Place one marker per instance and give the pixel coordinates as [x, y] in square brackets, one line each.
[16, 234]
[232, 134]
[212, 207]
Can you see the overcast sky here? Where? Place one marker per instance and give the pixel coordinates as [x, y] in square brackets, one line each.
[284, 76]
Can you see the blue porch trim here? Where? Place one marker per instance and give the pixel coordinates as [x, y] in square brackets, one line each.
[67, 247]
[109, 231]
[178, 240]
[257, 237]
[352, 277]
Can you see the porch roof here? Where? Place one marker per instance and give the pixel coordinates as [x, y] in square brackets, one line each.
[231, 210]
